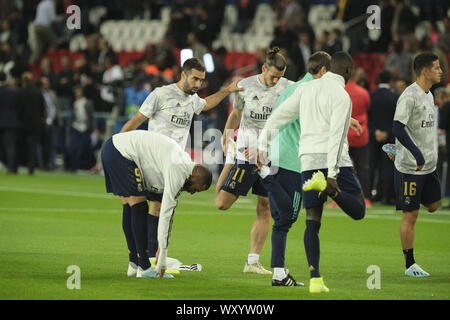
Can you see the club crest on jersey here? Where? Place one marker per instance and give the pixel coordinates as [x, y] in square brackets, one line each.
[407, 200]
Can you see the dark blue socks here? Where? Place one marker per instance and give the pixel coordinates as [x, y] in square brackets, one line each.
[152, 234]
[312, 247]
[139, 213]
[126, 226]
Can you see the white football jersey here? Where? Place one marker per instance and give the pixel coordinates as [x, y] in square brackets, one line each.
[170, 111]
[257, 102]
[164, 166]
[416, 110]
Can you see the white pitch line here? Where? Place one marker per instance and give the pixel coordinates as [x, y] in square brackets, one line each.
[371, 213]
[58, 192]
[213, 212]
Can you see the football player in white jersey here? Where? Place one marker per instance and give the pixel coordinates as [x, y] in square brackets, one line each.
[170, 110]
[415, 176]
[252, 107]
[138, 162]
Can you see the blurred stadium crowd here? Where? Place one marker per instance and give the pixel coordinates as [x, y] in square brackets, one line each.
[63, 91]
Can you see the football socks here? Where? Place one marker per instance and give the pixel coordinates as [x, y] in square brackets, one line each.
[409, 257]
[126, 226]
[139, 214]
[312, 246]
[152, 234]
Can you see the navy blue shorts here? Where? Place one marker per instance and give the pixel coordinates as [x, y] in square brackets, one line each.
[122, 176]
[346, 180]
[241, 178]
[285, 196]
[411, 190]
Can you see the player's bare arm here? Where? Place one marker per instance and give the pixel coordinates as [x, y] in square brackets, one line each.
[232, 122]
[134, 122]
[214, 99]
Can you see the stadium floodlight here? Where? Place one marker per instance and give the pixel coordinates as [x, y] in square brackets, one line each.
[185, 54]
[209, 62]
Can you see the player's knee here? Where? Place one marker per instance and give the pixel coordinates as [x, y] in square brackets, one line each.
[223, 203]
[282, 226]
[433, 207]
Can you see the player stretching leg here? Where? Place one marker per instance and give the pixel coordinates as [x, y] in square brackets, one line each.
[252, 107]
[323, 146]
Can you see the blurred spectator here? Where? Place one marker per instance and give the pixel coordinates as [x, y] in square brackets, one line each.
[387, 14]
[404, 20]
[9, 123]
[383, 102]
[399, 60]
[51, 133]
[361, 78]
[198, 48]
[5, 33]
[443, 101]
[47, 71]
[200, 26]
[134, 96]
[291, 12]
[216, 80]
[440, 98]
[164, 55]
[44, 36]
[400, 85]
[64, 83]
[359, 145]
[91, 53]
[104, 51]
[6, 59]
[284, 37]
[444, 37]
[246, 12]
[111, 82]
[180, 23]
[33, 117]
[301, 52]
[334, 43]
[355, 17]
[291, 72]
[80, 153]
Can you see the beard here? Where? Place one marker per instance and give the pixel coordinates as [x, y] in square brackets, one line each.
[189, 90]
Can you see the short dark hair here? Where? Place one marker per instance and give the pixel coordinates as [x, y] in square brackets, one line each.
[342, 64]
[275, 59]
[193, 63]
[318, 60]
[385, 77]
[205, 176]
[424, 60]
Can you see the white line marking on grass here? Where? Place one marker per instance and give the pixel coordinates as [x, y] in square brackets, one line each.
[212, 212]
[61, 210]
[59, 192]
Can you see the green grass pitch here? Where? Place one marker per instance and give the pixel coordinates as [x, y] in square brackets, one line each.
[51, 221]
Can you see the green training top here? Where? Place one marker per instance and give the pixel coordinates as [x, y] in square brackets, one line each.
[288, 136]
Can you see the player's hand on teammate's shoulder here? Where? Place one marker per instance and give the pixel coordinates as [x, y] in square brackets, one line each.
[420, 167]
[232, 87]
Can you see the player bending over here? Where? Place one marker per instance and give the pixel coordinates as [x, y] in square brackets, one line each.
[136, 163]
